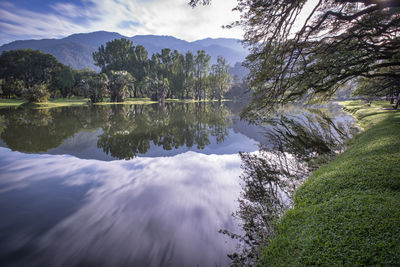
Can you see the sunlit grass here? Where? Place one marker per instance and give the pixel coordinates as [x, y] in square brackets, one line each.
[80, 101]
[348, 211]
[10, 102]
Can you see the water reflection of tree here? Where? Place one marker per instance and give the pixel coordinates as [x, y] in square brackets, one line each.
[38, 130]
[127, 129]
[298, 145]
[131, 130]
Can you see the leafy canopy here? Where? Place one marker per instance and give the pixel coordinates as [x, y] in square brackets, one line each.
[311, 48]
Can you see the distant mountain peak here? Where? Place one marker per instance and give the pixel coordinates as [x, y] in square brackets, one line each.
[76, 50]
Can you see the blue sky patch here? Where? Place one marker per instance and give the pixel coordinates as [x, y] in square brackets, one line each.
[128, 24]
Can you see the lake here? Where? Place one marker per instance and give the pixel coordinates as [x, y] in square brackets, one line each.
[128, 185]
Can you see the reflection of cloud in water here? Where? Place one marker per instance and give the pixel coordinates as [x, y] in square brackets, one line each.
[143, 212]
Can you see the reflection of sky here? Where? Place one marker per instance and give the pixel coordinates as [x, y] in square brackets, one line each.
[162, 211]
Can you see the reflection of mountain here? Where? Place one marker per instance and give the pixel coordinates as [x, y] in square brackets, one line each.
[124, 131]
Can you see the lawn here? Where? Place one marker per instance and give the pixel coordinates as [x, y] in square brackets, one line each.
[79, 101]
[348, 211]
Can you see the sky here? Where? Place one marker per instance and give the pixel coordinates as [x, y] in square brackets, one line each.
[27, 19]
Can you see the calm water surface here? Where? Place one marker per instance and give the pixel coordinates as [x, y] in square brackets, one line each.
[122, 185]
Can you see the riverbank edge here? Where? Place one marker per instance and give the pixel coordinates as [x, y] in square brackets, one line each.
[76, 101]
[348, 211]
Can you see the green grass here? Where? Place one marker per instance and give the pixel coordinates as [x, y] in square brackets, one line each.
[348, 211]
[4, 103]
[79, 101]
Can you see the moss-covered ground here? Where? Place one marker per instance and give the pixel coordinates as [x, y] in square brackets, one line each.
[348, 212]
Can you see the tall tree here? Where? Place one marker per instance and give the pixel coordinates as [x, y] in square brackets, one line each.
[311, 52]
[202, 62]
[63, 81]
[81, 86]
[371, 88]
[119, 85]
[98, 87]
[117, 55]
[30, 68]
[189, 72]
[159, 89]
[177, 75]
[221, 80]
[139, 69]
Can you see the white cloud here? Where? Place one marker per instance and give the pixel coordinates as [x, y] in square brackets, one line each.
[161, 17]
[134, 210]
[28, 24]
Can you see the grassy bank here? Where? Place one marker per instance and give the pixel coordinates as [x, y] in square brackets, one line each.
[4, 103]
[79, 101]
[348, 211]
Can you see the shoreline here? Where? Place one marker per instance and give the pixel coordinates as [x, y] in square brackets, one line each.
[348, 211]
[78, 101]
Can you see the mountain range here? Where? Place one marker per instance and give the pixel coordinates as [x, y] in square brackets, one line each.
[76, 50]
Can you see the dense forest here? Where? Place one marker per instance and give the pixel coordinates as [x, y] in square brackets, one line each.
[126, 71]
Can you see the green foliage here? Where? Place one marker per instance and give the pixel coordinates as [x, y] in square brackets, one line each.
[119, 85]
[126, 129]
[348, 211]
[169, 72]
[97, 87]
[220, 79]
[295, 59]
[186, 75]
[12, 87]
[36, 93]
[82, 86]
[117, 55]
[140, 70]
[372, 88]
[201, 68]
[32, 67]
[63, 81]
[131, 72]
[189, 71]
[159, 87]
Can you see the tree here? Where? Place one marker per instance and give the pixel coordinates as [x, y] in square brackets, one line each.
[177, 75]
[117, 55]
[82, 86]
[36, 93]
[221, 80]
[371, 88]
[182, 75]
[10, 87]
[97, 87]
[32, 68]
[202, 62]
[189, 72]
[119, 85]
[159, 88]
[140, 69]
[295, 54]
[63, 81]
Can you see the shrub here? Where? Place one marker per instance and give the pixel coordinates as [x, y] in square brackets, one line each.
[36, 93]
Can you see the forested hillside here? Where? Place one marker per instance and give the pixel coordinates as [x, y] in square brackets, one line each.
[76, 50]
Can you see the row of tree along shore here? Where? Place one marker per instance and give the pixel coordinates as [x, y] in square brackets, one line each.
[126, 71]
